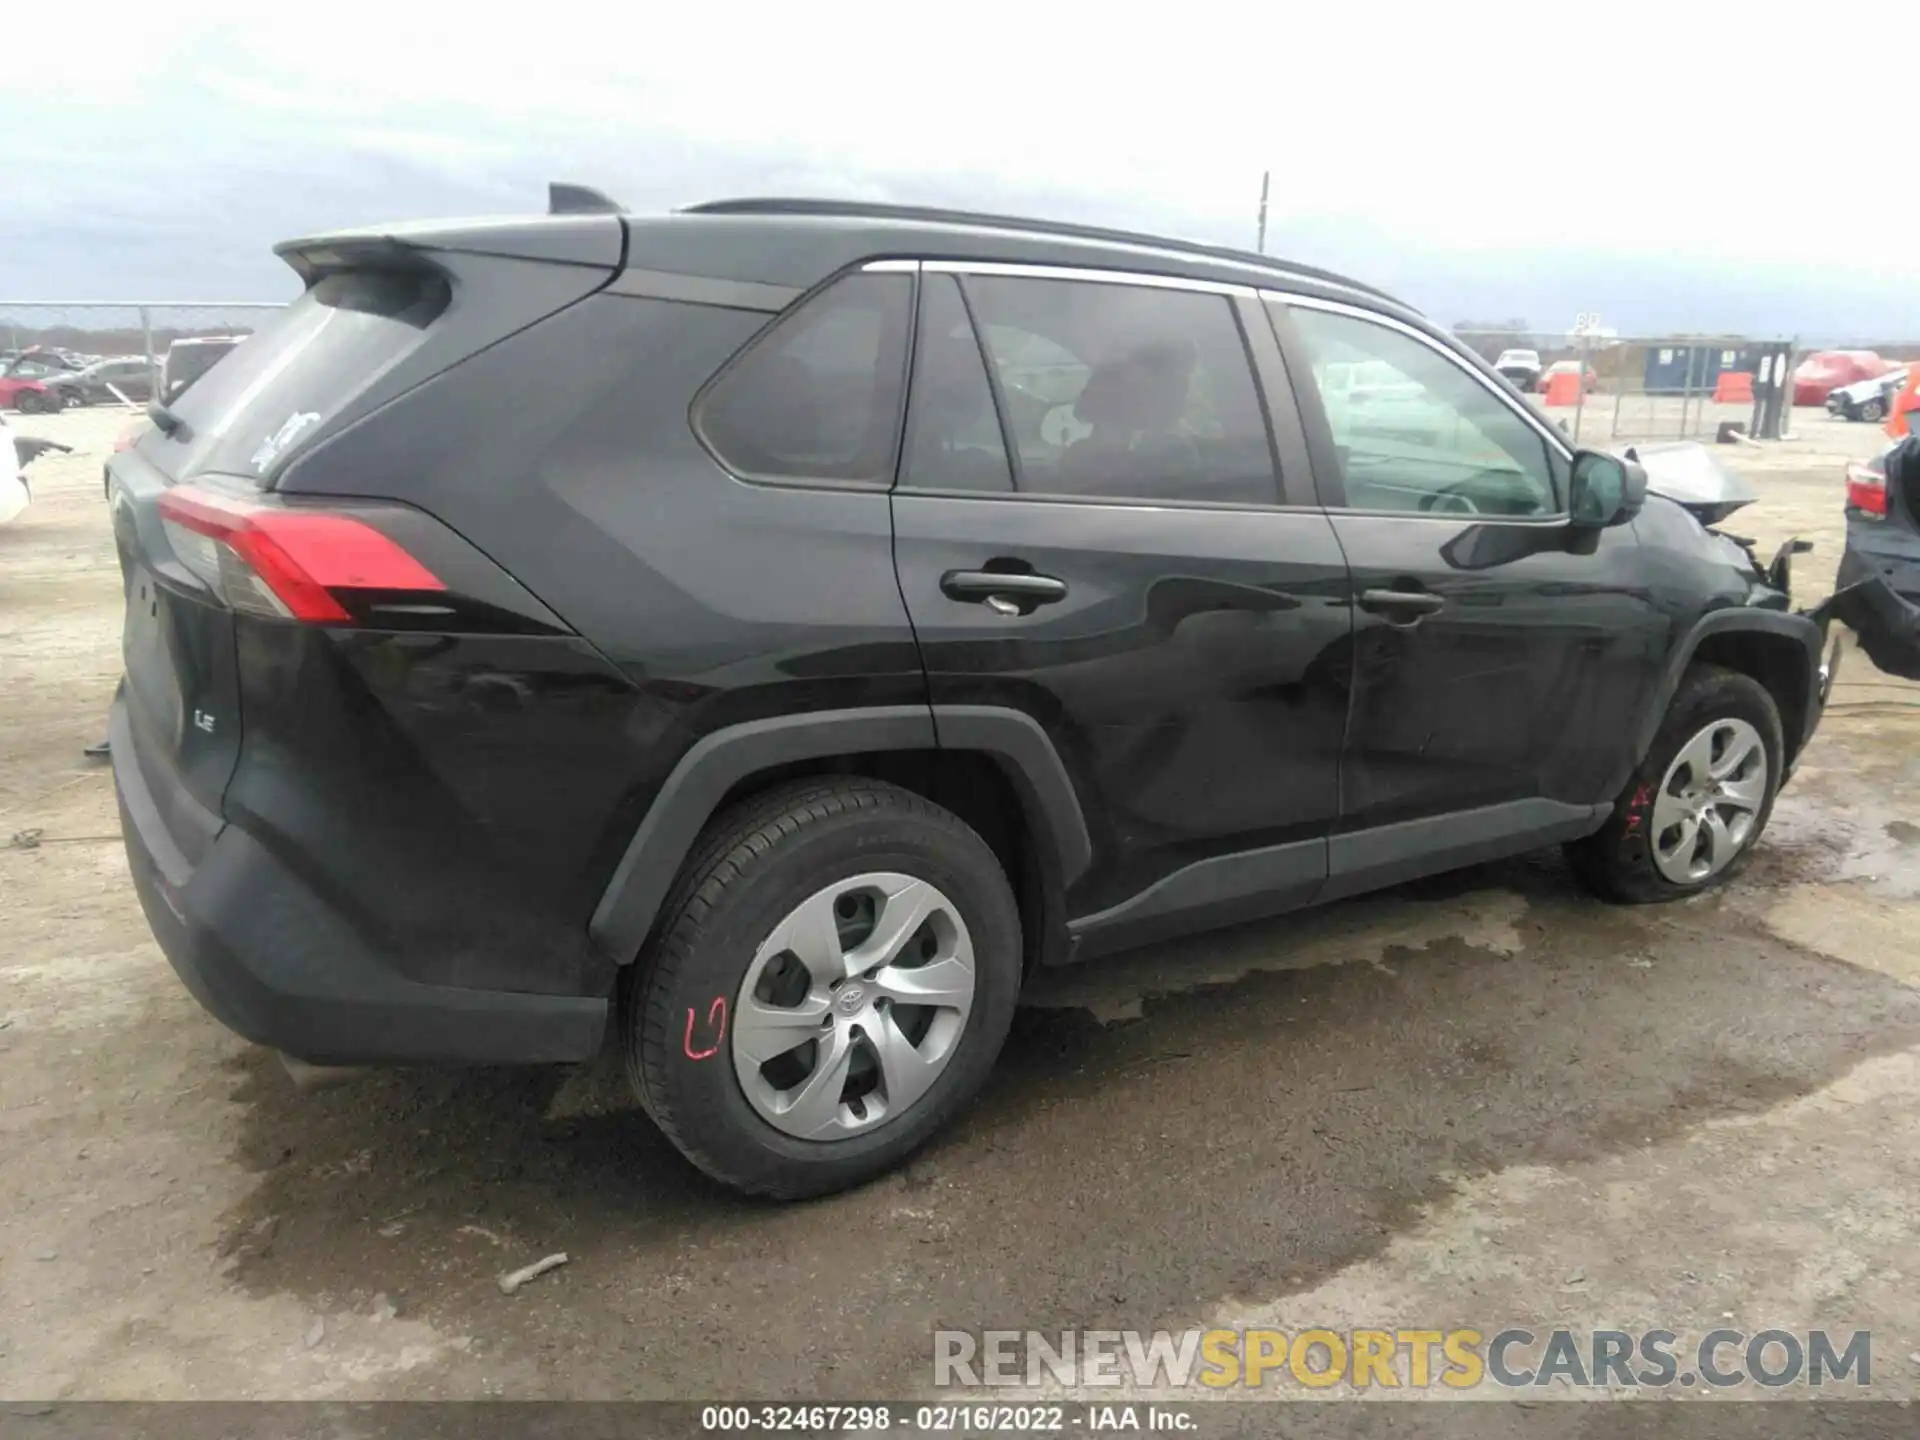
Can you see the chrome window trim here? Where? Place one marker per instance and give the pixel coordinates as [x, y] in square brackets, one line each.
[1145, 280]
[891, 267]
[1357, 312]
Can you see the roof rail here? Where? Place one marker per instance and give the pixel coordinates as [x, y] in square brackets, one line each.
[865, 210]
[564, 198]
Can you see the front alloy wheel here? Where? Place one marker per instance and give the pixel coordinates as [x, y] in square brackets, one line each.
[1709, 801]
[1696, 804]
[852, 1007]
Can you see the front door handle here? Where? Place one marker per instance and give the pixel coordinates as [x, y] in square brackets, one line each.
[1401, 607]
[1008, 594]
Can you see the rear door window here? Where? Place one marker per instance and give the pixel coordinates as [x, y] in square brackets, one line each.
[247, 413]
[818, 396]
[953, 433]
[1121, 391]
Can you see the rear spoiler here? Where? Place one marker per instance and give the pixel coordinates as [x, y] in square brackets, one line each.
[581, 227]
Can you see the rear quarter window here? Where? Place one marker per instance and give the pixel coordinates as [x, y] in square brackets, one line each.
[818, 396]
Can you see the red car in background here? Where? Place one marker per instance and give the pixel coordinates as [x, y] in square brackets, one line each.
[28, 394]
[1825, 371]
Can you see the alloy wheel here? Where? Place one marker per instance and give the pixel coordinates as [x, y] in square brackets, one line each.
[1708, 806]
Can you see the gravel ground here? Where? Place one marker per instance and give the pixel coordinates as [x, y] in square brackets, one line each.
[1483, 1100]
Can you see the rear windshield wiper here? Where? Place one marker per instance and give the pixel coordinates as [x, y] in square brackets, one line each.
[170, 424]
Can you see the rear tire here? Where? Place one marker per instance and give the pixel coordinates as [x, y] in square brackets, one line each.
[1695, 807]
[1874, 409]
[797, 1108]
[29, 402]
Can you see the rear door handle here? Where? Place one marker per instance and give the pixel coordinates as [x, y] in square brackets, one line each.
[1000, 590]
[1401, 607]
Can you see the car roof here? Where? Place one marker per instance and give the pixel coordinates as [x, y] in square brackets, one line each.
[861, 217]
[796, 243]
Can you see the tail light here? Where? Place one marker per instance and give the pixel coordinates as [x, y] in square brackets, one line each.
[282, 562]
[1866, 488]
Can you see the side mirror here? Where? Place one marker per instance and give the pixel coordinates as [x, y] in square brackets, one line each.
[1605, 490]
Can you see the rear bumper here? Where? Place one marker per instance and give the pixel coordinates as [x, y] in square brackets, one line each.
[1879, 570]
[272, 962]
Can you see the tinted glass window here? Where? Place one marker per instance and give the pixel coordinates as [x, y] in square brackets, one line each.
[256, 400]
[953, 434]
[1415, 431]
[187, 363]
[1125, 391]
[818, 398]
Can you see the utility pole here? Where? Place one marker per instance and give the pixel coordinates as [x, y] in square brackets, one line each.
[1266, 179]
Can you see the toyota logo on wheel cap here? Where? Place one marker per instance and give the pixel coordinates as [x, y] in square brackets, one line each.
[849, 1000]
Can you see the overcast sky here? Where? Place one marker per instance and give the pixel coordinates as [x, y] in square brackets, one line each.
[1653, 162]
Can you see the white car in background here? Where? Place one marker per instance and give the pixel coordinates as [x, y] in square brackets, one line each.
[1522, 367]
[1868, 400]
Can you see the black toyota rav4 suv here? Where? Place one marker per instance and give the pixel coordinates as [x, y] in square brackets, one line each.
[773, 628]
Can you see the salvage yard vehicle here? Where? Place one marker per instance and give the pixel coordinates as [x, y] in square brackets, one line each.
[1825, 371]
[1868, 400]
[769, 684]
[1522, 367]
[1879, 579]
[16, 453]
[124, 380]
[36, 363]
[29, 394]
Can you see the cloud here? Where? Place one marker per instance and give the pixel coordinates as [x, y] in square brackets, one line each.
[1408, 144]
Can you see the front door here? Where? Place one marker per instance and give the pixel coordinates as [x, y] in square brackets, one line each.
[1499, 656]
[1090, 529]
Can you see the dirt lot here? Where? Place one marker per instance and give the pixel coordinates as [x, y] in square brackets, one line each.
[1484, 1100]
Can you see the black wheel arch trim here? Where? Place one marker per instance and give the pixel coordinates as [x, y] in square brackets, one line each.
[721, 760]
[1785, 624]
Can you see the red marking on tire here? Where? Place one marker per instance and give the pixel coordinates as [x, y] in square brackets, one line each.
[1637, 808]
[716, 1022]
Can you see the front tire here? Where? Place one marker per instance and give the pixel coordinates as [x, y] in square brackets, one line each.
[1693, 810]
[833, 977]
[1874, 409]
[29, 402]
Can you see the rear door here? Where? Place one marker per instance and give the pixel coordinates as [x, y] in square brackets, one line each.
[1095, 526]
[1499, 658]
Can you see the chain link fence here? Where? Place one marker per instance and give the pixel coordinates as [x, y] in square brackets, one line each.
[39, 338]
[1619, 389]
